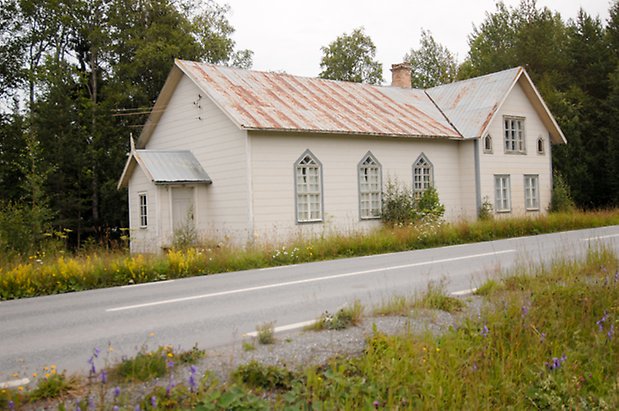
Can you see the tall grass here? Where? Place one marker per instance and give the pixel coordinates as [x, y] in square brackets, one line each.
[64, 272]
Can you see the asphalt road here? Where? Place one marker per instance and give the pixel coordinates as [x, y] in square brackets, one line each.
[220, 309]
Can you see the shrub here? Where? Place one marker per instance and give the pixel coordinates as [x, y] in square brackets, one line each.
[267, 377]
[485, 211]
[428, 206]
[561, 199]
[343, 318]
[266, 333]
[398, 204]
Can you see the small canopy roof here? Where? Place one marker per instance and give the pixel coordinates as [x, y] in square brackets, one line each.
[165, 167]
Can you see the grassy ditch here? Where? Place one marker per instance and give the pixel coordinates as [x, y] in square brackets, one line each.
[62, 272]
[545, 339]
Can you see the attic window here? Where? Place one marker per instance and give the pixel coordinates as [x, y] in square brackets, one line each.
[514, 135]
[488, 144]
[540, 145]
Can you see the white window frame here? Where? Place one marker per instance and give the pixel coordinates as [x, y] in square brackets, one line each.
[487, 143]
[423, 175]
[541, 145]
[143, 209]
[370, 187]
[531, 192]
[308, 189]
[502, 193]
[514, 135]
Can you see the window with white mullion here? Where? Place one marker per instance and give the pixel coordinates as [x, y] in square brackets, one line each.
[309, 189]
[422, 176]
[513, 128]
[531, 192]
[370, 188]
[143, 210]
[502, 193]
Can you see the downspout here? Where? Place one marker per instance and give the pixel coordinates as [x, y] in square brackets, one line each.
[477, 177]
[250, 191]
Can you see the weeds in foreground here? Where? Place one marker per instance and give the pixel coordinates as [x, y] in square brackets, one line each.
[549, 345]
[266, 333]
[342, 319]
[434, 298]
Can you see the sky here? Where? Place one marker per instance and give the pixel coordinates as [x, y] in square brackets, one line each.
[286, 35]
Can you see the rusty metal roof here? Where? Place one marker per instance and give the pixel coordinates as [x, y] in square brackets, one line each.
[471, 104]
[276, 101]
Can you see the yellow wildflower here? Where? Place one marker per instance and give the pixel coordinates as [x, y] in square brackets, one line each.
[34, 375]
[20, 388]
[170, 355]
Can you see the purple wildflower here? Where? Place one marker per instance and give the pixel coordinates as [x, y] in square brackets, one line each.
[11, 405]
[96, 352]
[137, 408]
[192, 379]
[116, 408]
[103, 377]
[616, 276]
[524, 310]
[556, 362]
[376, 404]
[474, 366]
[153, 401]
[170, 364]
[611, 332]
[600, 322]
[485, 331]
[91, 403]
[116, 391]
[93, 369]
[542, 337]
[77, 406]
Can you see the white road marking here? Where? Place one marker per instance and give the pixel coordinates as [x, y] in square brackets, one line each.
[284, 328]
[144, 284]
[600, 237]
[277, 267]
[464, 292]
[308, 280]
[14, 383]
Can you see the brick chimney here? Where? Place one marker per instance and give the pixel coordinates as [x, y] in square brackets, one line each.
[401, 75]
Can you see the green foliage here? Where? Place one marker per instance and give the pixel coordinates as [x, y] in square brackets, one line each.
[51, 386]
[432, 63]
[233, 399]
[486, 210]
[145, 366]
[265, 377]
[561, 200]
[344, 318]
[401, 208]
[398, 204]
[351, 58]
[266, 333]
[436, 298]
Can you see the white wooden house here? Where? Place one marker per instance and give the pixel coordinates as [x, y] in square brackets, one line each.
[245, 155]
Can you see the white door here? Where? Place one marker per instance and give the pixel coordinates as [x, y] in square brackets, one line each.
[182, 208]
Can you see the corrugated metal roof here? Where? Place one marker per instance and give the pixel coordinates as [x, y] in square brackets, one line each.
[471, 104]
[275, 101]
[168, 167]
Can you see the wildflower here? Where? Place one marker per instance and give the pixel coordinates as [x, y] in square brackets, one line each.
[170, 364]
[96, 352]
[525, 310]
[542, 337]
[611, 332]
[600, 322]
[137, 408]
[20, 388]
[93, 369]
[474, 367]
[116, 408]
[77, 406]
[116, 391]
[103, 377]
[91, 403]
[376, 404]
[34, 375]
[11, 405]
[556, 362]
[153, 401]
[485, 331]
[170, 355]
[192, 378]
